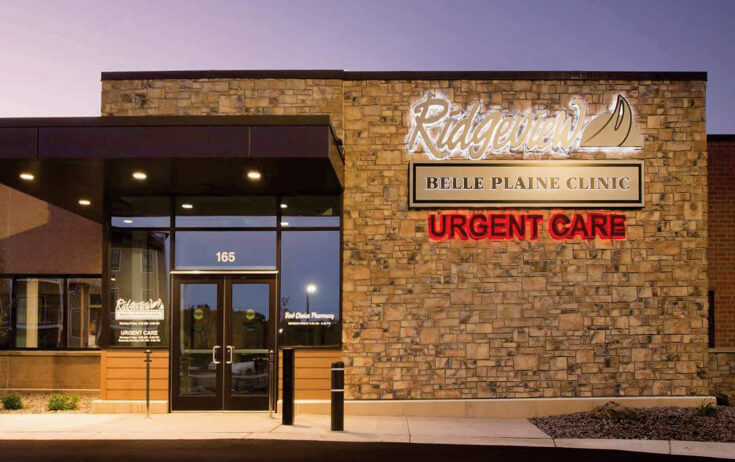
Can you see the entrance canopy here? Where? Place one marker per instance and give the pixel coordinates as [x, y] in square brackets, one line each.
[67, 160]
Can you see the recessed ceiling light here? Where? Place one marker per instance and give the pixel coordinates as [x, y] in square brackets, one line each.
[140, 176]
[284, 223]
[27, 176]
[187, 206]
[284, 206]
[85, 202]
[127, 221]
[254, 175]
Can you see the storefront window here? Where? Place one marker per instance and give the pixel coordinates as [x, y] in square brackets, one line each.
[310, 288]
[226, 212]
[84, 310]
[310, 211]
[6, 297]
[39, 313]
[141, 212]
[139, 288]
[227, 250]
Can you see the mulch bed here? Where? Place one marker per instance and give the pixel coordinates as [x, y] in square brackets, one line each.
[35, 403]
[661, 423]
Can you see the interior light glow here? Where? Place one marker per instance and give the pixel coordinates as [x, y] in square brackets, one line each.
[284, 223]
[85, 202]
[127, 221]
[140, 176]
[187, 206]
[254, 175]
[284, 205]
[27, 176]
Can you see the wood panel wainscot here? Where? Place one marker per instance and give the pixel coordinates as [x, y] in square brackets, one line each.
[312, 373]
[123, 375]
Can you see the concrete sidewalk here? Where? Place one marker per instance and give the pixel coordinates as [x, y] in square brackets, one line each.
[442, 430]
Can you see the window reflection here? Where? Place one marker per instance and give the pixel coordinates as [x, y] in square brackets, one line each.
[310, 211]
[310, 266]
[140, 212]
[39, 321]
[198, 335]
[84, 312]
[226, 250]
[139, 276]
[6, 294]
[226, 212]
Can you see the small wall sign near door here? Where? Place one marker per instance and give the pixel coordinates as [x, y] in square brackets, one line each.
[139, 321]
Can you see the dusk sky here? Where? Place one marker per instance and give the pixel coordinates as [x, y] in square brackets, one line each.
[52, 52]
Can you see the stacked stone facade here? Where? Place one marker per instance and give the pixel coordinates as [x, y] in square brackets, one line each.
[481, 319]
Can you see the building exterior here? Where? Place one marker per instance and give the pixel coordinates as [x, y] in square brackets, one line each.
[464, 236]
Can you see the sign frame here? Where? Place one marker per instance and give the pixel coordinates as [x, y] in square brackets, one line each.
[414, 202]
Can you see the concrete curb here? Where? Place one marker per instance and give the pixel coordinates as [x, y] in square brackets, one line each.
[406, 429]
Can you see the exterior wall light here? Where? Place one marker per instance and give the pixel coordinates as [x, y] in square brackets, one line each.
[85, 202]
[254, 175]
[25, 176]
[140, 176]
[284, 205]
[187, 206]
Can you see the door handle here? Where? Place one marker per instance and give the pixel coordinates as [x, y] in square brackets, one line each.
[214, 354]
[230, 350]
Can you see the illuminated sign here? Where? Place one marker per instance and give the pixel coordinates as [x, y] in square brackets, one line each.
[441, 131]
[523, 226]
[526, 183]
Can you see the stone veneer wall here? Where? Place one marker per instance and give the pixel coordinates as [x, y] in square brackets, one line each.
[466, 319]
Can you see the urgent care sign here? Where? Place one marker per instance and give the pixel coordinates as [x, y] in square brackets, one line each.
[462, 174]
[525, 226]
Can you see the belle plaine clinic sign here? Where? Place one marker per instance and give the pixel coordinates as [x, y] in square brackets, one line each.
[458, 142]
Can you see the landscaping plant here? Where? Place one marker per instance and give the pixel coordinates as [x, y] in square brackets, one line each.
[63, 402]
[707, 410]
[12, 401]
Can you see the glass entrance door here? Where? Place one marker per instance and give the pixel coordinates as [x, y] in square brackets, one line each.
[223, 335]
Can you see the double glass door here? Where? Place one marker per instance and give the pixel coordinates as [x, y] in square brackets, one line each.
[223, 336]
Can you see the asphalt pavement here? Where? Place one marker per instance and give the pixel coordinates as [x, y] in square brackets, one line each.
[301, 451]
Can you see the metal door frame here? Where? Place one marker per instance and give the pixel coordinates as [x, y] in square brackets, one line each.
[222, 401]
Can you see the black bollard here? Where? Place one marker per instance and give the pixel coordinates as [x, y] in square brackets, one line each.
[288, 385]
[338, 396]
[147, 361]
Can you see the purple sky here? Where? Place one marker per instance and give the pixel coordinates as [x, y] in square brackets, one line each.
[52, 52]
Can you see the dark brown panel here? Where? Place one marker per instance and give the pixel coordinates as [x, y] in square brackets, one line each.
[149, 142]
[228, 74]
[285, 142]
[159, 121]
[721, 138]
[18, 143]
[404, 75]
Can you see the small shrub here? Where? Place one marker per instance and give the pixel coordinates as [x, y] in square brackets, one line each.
[707, 410]
[722, 398]
[62, 402]
[614, 411]
[12, 401]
